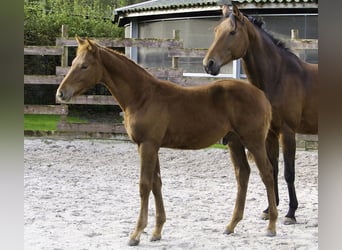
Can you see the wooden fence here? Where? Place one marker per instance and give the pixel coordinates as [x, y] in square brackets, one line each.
[175, 50]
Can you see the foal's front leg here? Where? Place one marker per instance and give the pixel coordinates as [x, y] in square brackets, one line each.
[148, 160]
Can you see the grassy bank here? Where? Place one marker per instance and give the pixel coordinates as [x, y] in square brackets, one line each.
[49, 123]
[46, 122]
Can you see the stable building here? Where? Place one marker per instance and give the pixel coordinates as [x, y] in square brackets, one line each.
[196, 20]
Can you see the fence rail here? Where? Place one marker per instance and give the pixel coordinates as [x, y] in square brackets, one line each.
[46, 109]
[43, 79]
[175, 50]
[126, 42]
[43, 50]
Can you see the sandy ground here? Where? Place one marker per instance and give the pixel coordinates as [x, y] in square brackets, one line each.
[83, 194]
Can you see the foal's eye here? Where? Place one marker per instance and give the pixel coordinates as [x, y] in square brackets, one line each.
[84, 66]
[233, 32]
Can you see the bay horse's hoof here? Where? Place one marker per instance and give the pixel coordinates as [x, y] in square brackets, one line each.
[270, 233]
[133, 242]
[265, 216]
[289, 221]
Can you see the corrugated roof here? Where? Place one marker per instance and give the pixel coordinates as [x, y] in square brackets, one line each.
[159, 7]
[171, 4]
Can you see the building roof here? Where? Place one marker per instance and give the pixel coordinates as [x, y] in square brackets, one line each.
[162, 7]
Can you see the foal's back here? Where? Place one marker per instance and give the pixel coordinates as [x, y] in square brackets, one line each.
[214, 109]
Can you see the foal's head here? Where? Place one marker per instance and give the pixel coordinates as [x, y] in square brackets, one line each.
[230, 42]
[85, 71]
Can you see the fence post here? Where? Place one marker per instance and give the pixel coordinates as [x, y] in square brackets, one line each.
[64, 59]
[295, 36]
[64, 63]
[175, 34]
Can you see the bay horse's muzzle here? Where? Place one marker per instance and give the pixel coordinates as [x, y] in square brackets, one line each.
[211, 67]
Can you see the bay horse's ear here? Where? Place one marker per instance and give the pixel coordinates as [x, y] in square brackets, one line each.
[237, 12]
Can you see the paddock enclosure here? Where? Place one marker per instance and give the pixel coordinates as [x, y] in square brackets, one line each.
[175, 49]
[83, 194]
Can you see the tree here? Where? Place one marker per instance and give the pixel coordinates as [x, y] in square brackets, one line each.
[43, 20]
[42, 25]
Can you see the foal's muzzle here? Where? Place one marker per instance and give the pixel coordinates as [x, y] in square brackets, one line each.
[211, 67]
[60, 95]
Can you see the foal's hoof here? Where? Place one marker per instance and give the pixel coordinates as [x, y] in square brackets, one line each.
[133, 242]
[155, 237]
[227, 232]
[289, 221]
[265, 216]
[271, 233]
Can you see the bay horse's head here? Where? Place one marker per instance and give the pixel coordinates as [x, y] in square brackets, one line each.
[85, 71]
[230, 42]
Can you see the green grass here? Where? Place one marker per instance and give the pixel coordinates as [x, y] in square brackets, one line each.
[219, 146]
[49, 123]
[46, 122]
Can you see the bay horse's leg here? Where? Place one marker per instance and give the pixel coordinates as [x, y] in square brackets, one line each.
[266, 173]
[272, 148]
[148, 159]
[242, 172]
[288, 140]
[160, 211]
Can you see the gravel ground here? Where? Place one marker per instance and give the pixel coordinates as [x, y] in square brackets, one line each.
[83, 194]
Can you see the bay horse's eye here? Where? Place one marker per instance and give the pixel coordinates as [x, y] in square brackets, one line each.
[233, 32]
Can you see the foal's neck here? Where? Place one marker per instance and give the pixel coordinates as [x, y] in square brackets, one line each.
[127, 81]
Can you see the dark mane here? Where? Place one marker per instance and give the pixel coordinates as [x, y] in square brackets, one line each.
[258, 22]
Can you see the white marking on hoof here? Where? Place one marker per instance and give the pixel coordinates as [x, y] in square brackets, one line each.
[289, 221]
[270, 233]
[265, 216]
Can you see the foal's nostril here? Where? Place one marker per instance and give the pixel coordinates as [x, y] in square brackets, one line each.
[60, 94]
[211, 62]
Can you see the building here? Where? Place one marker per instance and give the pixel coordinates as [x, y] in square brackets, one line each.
[196, 20]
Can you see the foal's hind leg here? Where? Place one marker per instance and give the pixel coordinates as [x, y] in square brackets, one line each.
[266, 173]
[242, 172]
[160, 211]
[272, 148]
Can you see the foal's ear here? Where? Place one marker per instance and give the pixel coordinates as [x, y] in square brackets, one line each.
[90, 45]
[79, 40]
[225, 10]
[237, 12]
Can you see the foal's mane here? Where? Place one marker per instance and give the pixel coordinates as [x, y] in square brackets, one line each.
[116, 54]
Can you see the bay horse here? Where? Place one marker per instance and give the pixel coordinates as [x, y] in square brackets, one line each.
[290, 84]
[159, 113]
